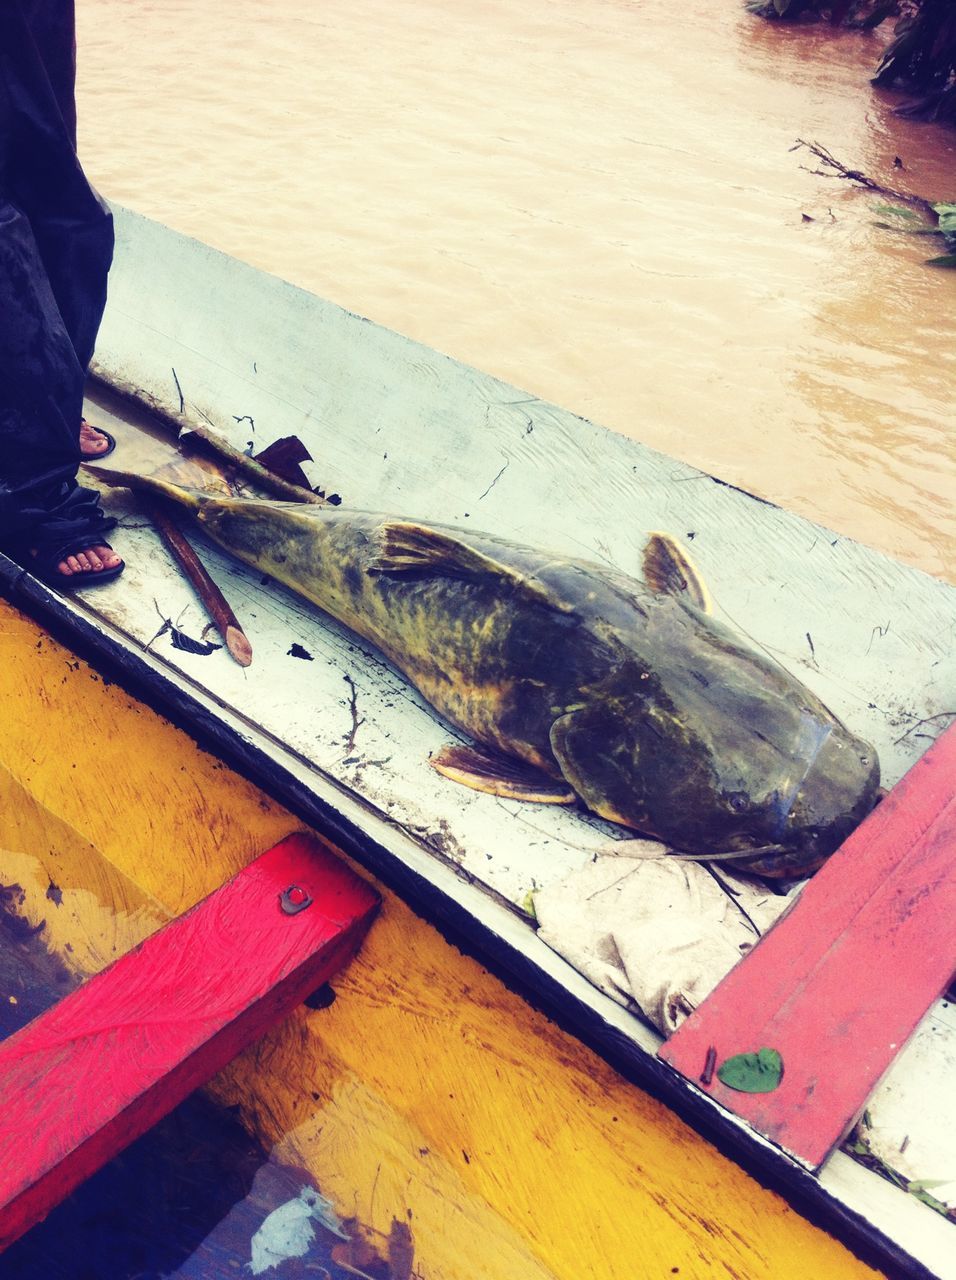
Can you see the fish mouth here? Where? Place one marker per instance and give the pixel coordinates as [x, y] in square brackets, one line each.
[735, 855]
[781, 845]
[820, 807]
[769, 862]
[812, 738]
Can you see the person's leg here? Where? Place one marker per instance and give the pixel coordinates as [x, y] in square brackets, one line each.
[41, 368]
[41, 381]
[41, 397]
[72, 226]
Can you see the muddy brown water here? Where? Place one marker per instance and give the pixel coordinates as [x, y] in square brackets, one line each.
[593, 199]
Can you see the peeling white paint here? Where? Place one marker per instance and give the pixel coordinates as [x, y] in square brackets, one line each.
[288, 1231]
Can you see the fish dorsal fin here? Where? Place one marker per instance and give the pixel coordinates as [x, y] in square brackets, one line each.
[669, 569]
[405, 548]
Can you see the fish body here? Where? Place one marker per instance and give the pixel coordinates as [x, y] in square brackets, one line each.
[652, 712]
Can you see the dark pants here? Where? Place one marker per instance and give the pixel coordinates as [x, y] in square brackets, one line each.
[56, 244]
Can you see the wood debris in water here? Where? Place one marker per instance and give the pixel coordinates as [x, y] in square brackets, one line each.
[833, 168]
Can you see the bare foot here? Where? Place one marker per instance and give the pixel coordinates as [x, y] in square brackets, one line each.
[93, 443]
[92, 560]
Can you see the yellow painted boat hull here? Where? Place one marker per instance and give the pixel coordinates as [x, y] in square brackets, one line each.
[429, 1102]
[428, 1099]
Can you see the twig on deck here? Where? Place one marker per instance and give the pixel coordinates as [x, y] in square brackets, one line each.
[353, 711]
[182, 402]
[255, 471]
[215, 603]
[925, 720]
[186, 424]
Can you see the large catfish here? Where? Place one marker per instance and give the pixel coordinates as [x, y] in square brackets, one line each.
[579, 682]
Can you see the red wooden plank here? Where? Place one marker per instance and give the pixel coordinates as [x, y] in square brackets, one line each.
[85, 1079]
[841, 982]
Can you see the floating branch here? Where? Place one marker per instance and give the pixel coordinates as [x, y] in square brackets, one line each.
[835, 168]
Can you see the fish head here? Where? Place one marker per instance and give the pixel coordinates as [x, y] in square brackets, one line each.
[766, 785]
[600, 744]
[839, 787]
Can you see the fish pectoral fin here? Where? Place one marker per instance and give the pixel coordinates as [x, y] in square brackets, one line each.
[578, 741]
[500, 775]
[416, 550]
[668, 569]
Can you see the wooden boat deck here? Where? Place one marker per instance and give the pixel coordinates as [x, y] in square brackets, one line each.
[395, 426]
[324, 722]
[429, 1102]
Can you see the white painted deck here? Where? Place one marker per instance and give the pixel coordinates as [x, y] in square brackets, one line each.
[394, 426]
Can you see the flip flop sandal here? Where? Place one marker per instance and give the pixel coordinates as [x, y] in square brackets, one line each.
[103, 453]
[72, 523]
[42, 563]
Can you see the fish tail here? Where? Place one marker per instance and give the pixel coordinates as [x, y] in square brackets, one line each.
[190, 498]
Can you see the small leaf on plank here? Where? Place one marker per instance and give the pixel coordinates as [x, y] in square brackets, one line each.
[759, 1072]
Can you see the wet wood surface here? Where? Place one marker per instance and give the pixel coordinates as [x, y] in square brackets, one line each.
[107, 1061]
[840, 983]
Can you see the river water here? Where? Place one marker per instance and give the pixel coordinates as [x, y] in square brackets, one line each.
[596, 200]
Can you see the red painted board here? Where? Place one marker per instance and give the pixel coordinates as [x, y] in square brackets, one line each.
[839, 984]
[86, 1078]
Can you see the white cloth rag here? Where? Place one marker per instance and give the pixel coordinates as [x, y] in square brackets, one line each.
[653, 930]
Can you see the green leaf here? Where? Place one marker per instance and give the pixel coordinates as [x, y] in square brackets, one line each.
[947, 216]
[759, 1072]
[932, 1202]
[945, 260]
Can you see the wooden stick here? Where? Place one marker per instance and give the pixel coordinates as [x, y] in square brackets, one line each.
[215, 603]
[186, 424]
